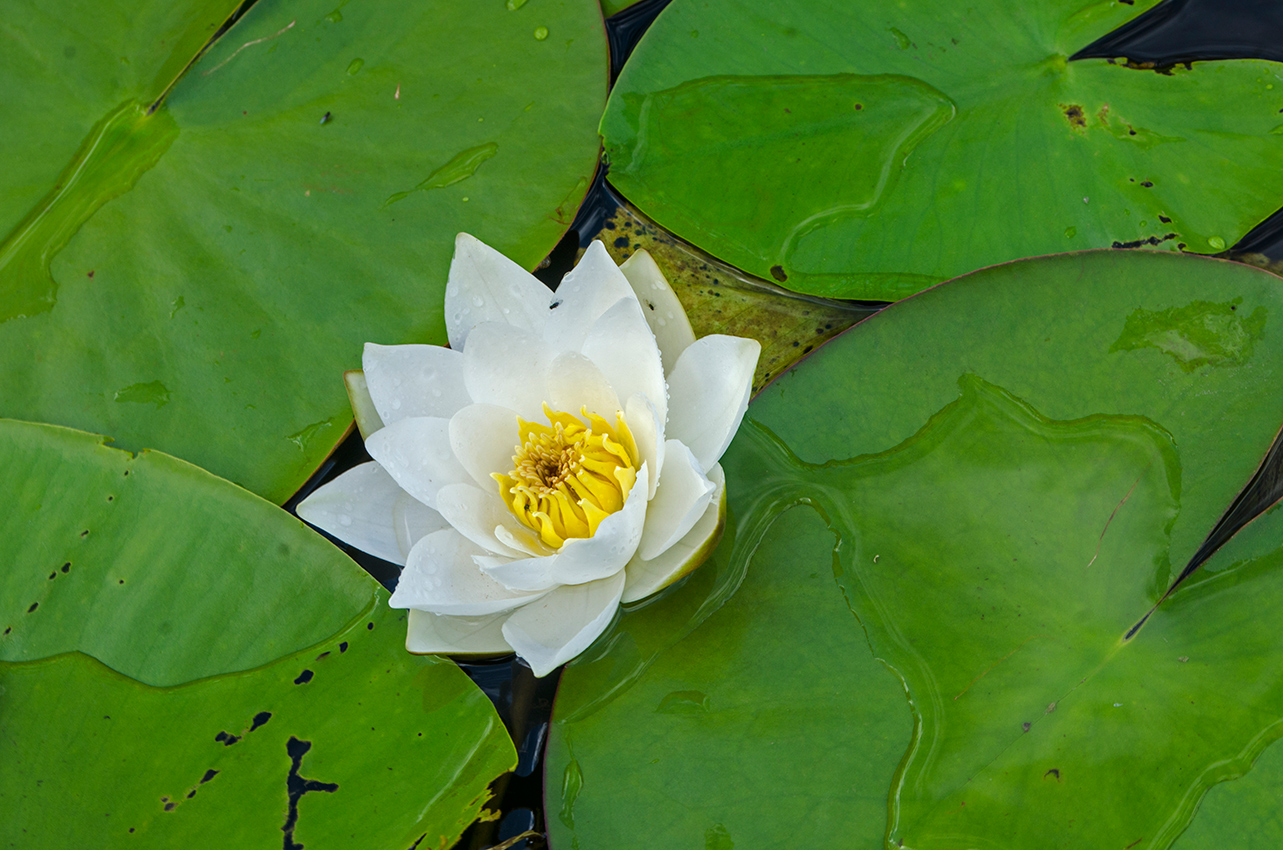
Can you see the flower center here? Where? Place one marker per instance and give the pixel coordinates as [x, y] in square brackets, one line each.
[568, 476]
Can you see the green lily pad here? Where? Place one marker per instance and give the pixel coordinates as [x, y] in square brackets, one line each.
[611, 7]
[175, 648]
[195, 276]
[984, 518]
[861, 150]
[1245, 813]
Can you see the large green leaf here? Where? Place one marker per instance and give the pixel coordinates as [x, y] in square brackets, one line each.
[978, 515]
[180, 661]
[1245, 813]
[868, 150]
[115, 556]
[196, 277]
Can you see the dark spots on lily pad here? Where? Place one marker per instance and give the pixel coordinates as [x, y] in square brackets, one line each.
[303, 678]
[296, 786]
[209, 774]
[342, 647]
[369, 627]
[259, 719]
[777, 272]
[226, 738]
[1054, 773]
[1153, 240]
[34, 606]
[1074, 114]
[1164, 219]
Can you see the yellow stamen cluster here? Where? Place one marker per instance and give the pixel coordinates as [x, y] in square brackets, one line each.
[568, 476]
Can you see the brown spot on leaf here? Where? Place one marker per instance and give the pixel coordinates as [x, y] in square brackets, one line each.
[1074, 113]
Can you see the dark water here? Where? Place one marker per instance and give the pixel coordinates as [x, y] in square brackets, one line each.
[1174, 32]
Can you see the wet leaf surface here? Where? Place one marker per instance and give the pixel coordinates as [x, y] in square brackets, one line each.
[849, 150]
[980, 517]
[195, 277]
[191, 666]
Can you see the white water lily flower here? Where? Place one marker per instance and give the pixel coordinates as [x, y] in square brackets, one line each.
[559, 458]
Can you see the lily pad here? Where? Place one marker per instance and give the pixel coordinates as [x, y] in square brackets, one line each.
[986, 519]
[192, 269]
[175, 648]
[612, 7]
[862, 150]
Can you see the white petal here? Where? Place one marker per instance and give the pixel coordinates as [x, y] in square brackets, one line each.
[648, 433]
[506, 366]
[647, 577]
[484, 439]
[663, 312]
[683, 494]
[622, 346]
[485, 286]
[709, 389]
[475, 514]
[363, 410]
[414, 380]
[416, 453]
[357, 508]
[583, 559]
[412, 521]
[594, 286]
[441, 577]
[556, 628]
[574, 381]
[436, 633]
[521, 539]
